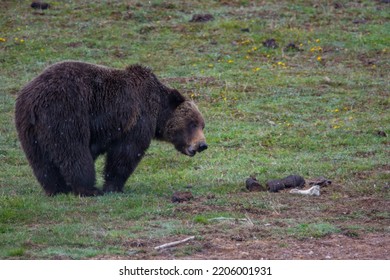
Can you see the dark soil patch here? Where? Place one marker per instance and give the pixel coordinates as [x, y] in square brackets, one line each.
[292, 47]
[361, 226]
[74, 44]
[371, 246]
[381, 133]
[181, 197]
[202, 18]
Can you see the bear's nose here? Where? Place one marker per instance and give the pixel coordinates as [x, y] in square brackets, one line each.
[202, 146]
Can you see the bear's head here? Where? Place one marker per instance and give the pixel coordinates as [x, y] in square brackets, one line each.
[184, 128]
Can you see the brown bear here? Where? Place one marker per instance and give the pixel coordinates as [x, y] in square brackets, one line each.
[75, 111]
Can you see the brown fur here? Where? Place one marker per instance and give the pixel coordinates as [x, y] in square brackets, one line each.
[74, 111]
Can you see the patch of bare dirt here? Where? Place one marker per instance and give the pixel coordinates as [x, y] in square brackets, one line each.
[362, 222]
[371, 246]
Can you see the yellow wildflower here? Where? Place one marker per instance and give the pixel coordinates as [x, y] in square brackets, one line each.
[316, 49]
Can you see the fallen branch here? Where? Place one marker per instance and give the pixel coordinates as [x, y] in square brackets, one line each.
[227, 219]
[175, 243]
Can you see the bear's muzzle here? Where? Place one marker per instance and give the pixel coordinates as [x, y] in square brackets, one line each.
[196, 148]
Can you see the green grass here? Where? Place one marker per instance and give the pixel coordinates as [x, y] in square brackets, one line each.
[270, 113]
[312, 230]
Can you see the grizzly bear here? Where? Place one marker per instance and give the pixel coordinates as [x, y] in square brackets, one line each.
[75, 111]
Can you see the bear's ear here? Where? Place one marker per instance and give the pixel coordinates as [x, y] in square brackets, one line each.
[175, 98]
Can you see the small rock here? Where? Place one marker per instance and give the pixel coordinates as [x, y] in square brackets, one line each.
[270, 43]
[381, 133]
[39, 5]
[180, 197]
[327, 80]
[238, 238]
[337, 5]
[359, 21]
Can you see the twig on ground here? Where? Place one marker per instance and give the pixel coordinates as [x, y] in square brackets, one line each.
[175, 243]
[227, 219]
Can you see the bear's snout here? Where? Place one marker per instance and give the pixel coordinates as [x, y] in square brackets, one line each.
[202, 146]
[196, 148]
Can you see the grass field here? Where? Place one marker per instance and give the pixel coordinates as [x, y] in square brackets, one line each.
[313, 101]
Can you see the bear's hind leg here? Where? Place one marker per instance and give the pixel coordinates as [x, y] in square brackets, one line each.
[51, 179]
[80, 175]
[46, 172]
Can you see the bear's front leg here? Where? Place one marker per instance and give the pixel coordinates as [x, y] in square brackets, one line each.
[122, 159]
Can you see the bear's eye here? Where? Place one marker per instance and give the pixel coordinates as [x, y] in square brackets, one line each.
[193, 125]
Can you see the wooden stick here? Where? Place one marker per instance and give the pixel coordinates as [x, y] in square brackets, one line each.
[228, 219]
[175, 243]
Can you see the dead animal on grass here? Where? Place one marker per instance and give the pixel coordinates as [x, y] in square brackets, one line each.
[292, 181]
[313, 191]
[320, 181]
[253, 185]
